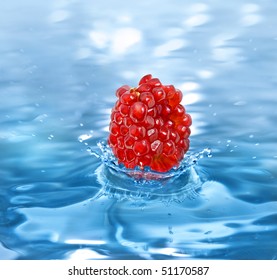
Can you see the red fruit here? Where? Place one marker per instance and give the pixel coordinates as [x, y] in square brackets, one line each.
[149, 126]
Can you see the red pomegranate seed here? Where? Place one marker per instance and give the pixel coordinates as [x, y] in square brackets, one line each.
[141, 147]
[138, 111]
[122, 90]
[145, 79]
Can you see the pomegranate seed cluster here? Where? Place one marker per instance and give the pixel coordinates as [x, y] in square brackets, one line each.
[149, 126]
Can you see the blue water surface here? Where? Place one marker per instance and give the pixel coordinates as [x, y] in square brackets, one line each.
[62, 195]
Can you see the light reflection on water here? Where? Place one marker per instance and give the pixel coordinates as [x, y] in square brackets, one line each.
[60, 66]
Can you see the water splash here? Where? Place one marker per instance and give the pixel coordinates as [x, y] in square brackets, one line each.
[142, 185]
[109, 159]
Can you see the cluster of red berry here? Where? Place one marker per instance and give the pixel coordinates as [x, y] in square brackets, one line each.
[149, 126]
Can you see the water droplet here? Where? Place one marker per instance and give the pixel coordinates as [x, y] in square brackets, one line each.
[251, 136]
[93, 153]
[84, 137]
[41, 118]
[239, 103]
[51, 136]
[81, 124]
[208, 152]
[170, 230]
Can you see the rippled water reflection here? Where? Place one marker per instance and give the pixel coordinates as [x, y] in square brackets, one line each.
[60, 64]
